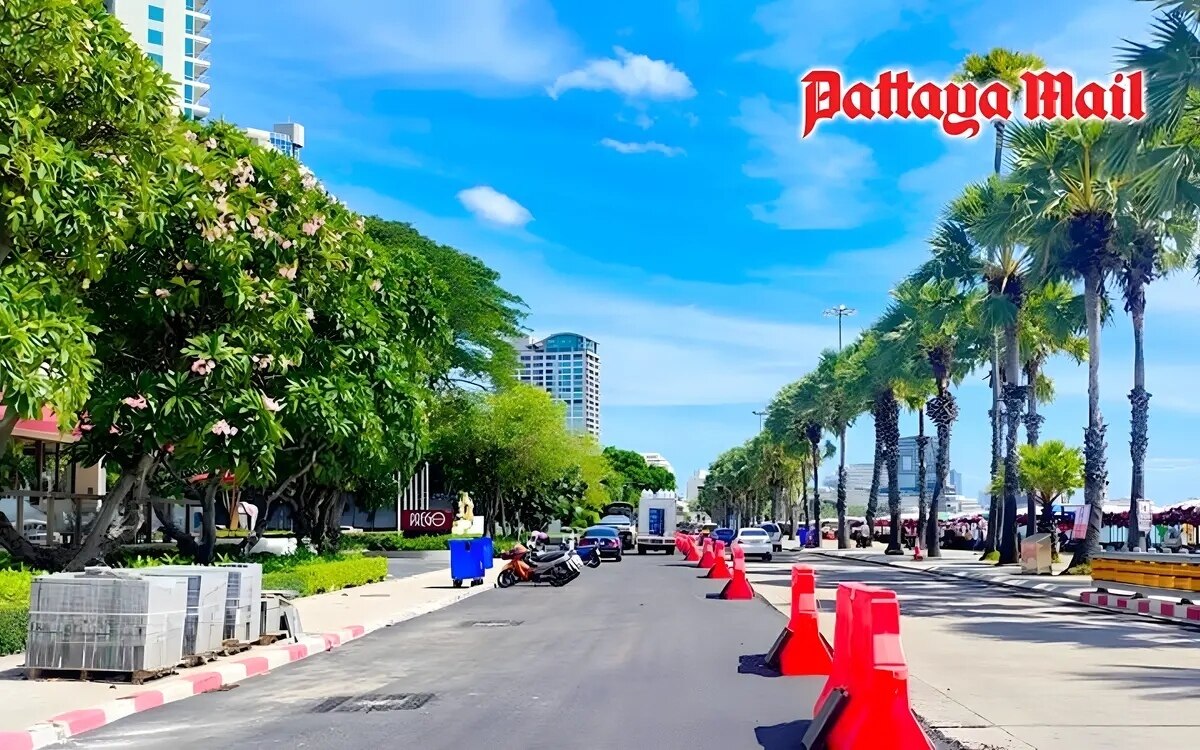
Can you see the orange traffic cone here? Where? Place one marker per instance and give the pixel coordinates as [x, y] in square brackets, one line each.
[917, 550]
[719, 569]
[738, 586]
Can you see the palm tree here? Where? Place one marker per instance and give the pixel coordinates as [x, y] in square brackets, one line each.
[1072, 191]
[940, 320]
[836, 407]
[1050, 471]
[1053, 317]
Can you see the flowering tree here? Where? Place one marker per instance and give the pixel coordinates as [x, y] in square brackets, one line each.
[85, 124]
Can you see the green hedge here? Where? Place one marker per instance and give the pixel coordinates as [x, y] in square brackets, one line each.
[14, 621]
[320, 577]
[391, 541]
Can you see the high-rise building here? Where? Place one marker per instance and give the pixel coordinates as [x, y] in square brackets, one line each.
[656, 459]
[172, 34]
[287, 137]
[567, 366]
[695, 483]
[908, 453]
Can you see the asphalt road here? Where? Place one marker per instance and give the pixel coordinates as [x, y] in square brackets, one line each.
[403, 567]
[634, 654]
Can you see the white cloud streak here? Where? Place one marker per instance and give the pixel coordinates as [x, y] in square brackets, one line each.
[622, 147]
[635, 76]
[493, 206]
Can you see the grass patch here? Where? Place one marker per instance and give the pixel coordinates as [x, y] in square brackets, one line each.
[1080, 570]
[993, 556]
[321, 576]
[392, 541]
[14, 610]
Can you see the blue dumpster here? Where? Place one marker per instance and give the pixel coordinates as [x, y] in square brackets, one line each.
[486, 552]
[802, 535]
[466, 564]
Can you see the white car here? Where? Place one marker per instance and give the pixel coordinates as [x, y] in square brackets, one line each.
[754, 542]
[775, 533]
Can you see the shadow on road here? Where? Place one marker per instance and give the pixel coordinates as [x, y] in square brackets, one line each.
[782, 736]
[755, 664]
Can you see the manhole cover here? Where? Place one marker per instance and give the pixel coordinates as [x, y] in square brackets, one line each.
[365, 704]
[494, 623]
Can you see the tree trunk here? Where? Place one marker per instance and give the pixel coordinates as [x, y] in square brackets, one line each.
[1033, 426]
[7, 423]
[1094, 448]
[876, 470]
[994, 415]
[1014, 400]
[206, 550]
[95, 543]
[1046, 525]
[1139, 401]
[999, 159]
[943, 411]
[843, 533]
[816, 498]
[804, 500]
[891, 447]
[922, 494]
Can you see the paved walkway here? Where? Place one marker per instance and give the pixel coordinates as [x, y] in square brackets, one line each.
[634, 654]
[996, 667]
[26, 702]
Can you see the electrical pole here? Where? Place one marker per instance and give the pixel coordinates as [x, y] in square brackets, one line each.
[760, 415]
[840, 312]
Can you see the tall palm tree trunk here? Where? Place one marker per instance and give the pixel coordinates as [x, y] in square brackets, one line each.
[922, 494]
[813, 433]
[994, 414]
[1095, 472]
[890, 414]
[943, 411]
[843, 533]
[1014, 397]
[1139, 401]
[1033, 427]
[876, 470]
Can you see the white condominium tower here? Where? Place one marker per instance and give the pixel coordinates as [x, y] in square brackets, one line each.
[172, 34]
[567, 366]
[656, 459]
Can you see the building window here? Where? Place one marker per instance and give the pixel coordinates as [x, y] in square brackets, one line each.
[189, 94]
[189, 23]
[189, 47]
[188, 112]
[155, 13]
[906, 463]
[156, 58]
[154, 36]
[189, 71]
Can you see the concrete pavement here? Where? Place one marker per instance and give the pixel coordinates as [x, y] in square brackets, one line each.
[634, 654]
[997, 667]
[55, 709]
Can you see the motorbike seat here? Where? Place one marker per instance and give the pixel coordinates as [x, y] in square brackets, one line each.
[544, 557]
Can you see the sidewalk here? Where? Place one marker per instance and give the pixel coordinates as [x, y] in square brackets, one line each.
[38, 713]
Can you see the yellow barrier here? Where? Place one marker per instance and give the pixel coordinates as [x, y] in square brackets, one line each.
[1160, 574]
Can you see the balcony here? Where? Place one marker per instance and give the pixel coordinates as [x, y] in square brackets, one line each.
[196, 5]
[197, 22]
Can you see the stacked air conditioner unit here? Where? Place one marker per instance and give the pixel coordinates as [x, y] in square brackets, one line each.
[243, 610]
[105, 620]
[204, 621]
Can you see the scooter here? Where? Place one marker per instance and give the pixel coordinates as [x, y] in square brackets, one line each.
[555, 568]
[590, 554]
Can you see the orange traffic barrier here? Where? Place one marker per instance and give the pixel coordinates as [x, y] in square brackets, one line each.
[706, 559]
[738, 587]
[800, 648]
[692, 554]
[869, 675]
[719, 570]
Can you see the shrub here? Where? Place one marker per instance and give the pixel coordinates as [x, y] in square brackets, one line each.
[14, 587]
[391, 541]
[321, 576]
[14, 622]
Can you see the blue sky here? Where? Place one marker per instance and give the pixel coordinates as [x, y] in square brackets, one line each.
[633, 170]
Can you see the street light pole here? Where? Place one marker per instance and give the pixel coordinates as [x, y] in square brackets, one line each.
[840, 312]
[760, 415]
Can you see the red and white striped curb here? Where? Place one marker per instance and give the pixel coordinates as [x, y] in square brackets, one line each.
[218, 674]
[1145, 606]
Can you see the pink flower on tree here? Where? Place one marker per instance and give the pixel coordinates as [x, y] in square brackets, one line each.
[271, 404]
[285, 244]
[288, 272]
[190, 135]
[162, 293]
[113, 430]
[376, 285]
[203, 367]
[138, 402]
[313, 225]
[211, 143]
[308, 313]
[224, 428]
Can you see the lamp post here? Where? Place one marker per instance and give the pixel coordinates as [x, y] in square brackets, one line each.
[840, 312]
[760, 415]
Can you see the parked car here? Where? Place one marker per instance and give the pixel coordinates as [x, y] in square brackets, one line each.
[624, 527]
[775, 531]
[707, 529]
[723, 535]
[606, 540]
[755, 543]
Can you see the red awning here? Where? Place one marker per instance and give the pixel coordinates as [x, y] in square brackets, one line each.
[45, 428]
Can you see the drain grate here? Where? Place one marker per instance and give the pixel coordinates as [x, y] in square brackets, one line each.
[493, 623]
[372, 703]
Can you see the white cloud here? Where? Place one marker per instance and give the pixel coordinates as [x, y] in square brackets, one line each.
[635, 76]
[823, 178]
[467, 43]
[491, 205]
[641, 148]
[644, 121]
[823, 32]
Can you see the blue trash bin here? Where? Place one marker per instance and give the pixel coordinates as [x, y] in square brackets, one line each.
[487, 552]
[802, 536]
[465, 561]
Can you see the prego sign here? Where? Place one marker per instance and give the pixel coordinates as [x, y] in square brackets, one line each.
[439, 521]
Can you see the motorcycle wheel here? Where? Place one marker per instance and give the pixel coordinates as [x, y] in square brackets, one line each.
[561, 579]
[506, 578]
[593, 562]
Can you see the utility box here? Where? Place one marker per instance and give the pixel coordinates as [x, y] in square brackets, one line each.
[1035, 555]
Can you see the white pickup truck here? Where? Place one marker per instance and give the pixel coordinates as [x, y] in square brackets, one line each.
[656, 523]
[620, 517]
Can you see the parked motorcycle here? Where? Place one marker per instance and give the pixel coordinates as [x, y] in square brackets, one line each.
[590, 554]
[556, 568]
